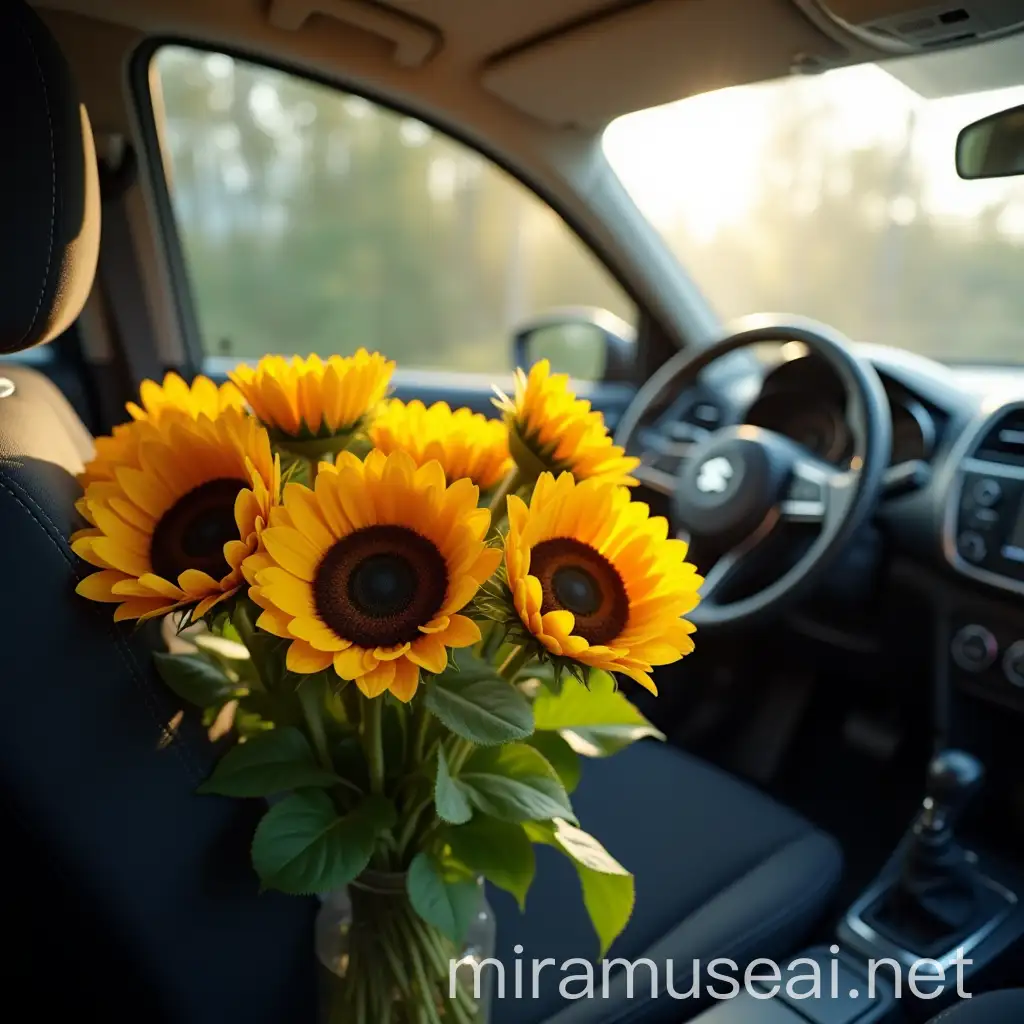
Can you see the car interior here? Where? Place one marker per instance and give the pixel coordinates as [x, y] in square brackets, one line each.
[461, 184]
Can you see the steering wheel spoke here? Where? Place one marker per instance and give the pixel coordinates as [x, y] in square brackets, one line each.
[664, 458]
[736, 562]
[817, 492]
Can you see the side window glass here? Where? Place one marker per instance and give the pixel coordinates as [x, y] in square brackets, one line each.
[314, 220]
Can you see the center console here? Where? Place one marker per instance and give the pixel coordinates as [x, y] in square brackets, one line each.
[983, 528]
[935, 916]
[935, 900]
[983, 540]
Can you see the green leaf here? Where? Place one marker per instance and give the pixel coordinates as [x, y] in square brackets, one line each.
[194, 679]
[595, 722]
[303, 847]
[474, 702]
[609, 890]
[560, 756]
[273, 762]
[609, 901]
[514, 783]
[221, 646]
[498, 850]
[448, 906]
[452, 803]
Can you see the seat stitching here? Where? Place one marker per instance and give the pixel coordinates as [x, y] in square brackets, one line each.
[755, 933]
[53, 188]
[172, 738]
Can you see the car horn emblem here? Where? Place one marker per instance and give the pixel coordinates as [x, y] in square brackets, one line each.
[713, 477]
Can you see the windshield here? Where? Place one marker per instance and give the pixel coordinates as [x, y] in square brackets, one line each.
[836, 197]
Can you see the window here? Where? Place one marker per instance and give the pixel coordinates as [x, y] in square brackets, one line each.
[836, 196]
[313, 220]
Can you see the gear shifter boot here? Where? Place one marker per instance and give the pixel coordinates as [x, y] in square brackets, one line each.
[937, 898]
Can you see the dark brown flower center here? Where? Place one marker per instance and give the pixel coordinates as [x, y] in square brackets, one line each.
[575, 578]
[192, 533]
[377, 586]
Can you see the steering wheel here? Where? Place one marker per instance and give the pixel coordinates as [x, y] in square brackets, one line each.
[741, 484]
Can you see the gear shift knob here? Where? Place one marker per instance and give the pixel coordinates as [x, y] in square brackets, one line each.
[954, 776]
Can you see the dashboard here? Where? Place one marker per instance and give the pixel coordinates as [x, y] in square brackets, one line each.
[801, 399]
[952, 506]
[943, 425]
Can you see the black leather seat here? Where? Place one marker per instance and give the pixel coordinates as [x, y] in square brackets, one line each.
[721, 871]
[129, 894]
[1006, 1007]
[125, 892]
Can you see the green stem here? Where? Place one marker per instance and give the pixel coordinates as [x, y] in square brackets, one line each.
[309, 700]
[460, 755]
[313, 465]
[420, 727]
[411, 824]
[242, 621]
[514, 663]
[373, 741]
[462, 1006]
[498, 505]
[422, 975]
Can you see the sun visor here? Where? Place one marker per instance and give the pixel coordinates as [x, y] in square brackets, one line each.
[656, 52]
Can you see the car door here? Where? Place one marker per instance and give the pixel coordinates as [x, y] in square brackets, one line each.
[309, 219]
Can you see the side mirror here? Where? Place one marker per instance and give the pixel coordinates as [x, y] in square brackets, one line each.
[992, 147]
[585, 342]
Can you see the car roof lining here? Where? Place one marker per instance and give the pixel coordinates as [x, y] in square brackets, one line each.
[561, 62]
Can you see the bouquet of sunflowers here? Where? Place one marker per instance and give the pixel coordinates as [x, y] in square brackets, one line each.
[409, 620]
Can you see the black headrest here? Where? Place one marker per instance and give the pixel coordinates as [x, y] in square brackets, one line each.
[49, 188]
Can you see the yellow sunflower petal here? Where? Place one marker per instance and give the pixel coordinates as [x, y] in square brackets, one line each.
[275, 622]
[305, 659]
[429, 652]
[406, 681]
[374, 683]
[139, 607]
[317, 635]
[461, 632]
[292, 551]
[100, 585]
[349, 663]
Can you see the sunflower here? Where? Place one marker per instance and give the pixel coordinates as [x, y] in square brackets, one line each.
[466, 443]
[309, 400]
[368, 572]
[552, 430]
[594, 581]
[158, 401]
[172, 526]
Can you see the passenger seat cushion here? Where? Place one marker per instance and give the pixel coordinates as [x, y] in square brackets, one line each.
[49, 186]
[721, 871]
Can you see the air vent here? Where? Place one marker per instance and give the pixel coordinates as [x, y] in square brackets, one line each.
[1004, 440]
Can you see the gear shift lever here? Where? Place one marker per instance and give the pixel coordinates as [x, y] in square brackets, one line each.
[932, 897]
[954, 777]
[935, 895]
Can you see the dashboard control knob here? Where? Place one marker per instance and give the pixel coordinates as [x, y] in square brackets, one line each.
[972, 546]
[1013, 664]
[987, 492]
[974, 648]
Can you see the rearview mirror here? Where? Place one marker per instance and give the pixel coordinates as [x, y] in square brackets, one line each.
[992, 147]
[585, 342]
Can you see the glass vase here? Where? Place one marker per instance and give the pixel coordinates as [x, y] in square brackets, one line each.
[383, 963]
